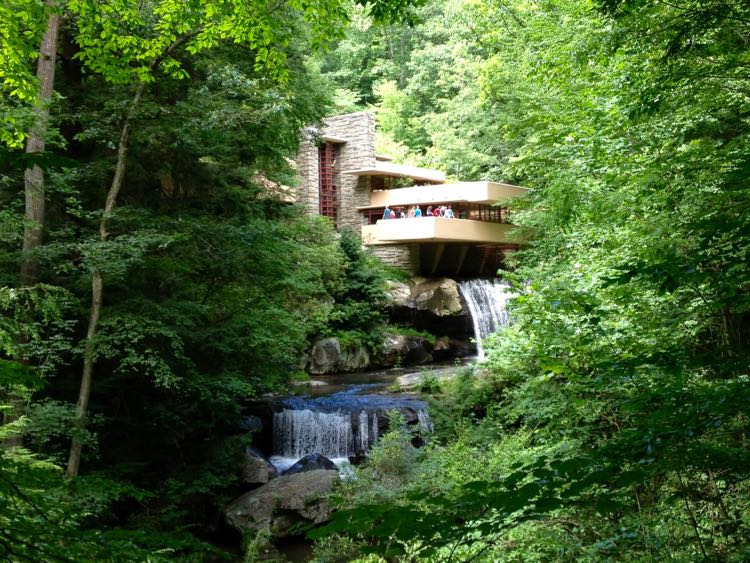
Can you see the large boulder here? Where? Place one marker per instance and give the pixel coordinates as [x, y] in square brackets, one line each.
[256, 468]
[252, 423]
[311, 462]
[404, 350]
[325, 356]
[439, 296]
[437, 307]
[354, 358]
[398, 294]
[283, 502]
[328, 356]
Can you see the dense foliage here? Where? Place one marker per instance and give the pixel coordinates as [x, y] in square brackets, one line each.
[358, 311]
[610, 421]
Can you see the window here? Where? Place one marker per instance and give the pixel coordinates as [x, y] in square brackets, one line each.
[327, 155]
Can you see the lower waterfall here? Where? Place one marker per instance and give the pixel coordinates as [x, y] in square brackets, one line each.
[338, 426]
[297, 433]
[486, 300]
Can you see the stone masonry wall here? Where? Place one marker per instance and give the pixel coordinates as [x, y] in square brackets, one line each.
[358, 152]
[404, 256]
[308, 191]
[358, 130]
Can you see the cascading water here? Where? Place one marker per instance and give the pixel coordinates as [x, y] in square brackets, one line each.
[297, 433]
[425, 424]
[486, 300]
[337, 426]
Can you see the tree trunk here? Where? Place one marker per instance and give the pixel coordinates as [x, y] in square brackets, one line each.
[34, 184]
[74, 459]
[34, 177]
[97, 282]
[97, 291]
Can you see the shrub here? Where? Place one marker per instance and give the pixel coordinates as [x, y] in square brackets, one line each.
[428, 383]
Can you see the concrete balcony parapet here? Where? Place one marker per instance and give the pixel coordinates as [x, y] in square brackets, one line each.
[435, 229]
[475, 192]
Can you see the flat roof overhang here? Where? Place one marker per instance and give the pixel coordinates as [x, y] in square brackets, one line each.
[436, 229]
[383, 168]
[334, 140]
[460, 192]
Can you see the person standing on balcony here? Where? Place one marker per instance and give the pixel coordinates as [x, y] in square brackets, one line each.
[449, 213]
[411, 212]
[387, 212]
[402, 213]
[417, 212]
[428, 213]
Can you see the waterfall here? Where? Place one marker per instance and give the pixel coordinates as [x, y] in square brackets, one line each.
[374, 428]
[336, 435]
[363, 443]
[339, 425]
[425, 423]
[297, 433]
[486, 300]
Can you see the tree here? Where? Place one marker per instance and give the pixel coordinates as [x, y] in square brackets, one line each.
[34, 176]
[424, 83]
[20, 31]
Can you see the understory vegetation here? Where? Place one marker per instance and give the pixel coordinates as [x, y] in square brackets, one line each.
[610, 420]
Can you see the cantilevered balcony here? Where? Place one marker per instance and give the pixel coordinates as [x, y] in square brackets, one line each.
[435, 229]
[477, 192]
[481, 223]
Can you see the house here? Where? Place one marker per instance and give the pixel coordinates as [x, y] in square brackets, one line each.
[342, 178]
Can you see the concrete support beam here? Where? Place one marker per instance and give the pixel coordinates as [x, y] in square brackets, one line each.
[439, 249]
[486, 251]
[463, 251]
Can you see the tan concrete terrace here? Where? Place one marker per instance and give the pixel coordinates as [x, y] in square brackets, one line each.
[475, 192]
[435, 229]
